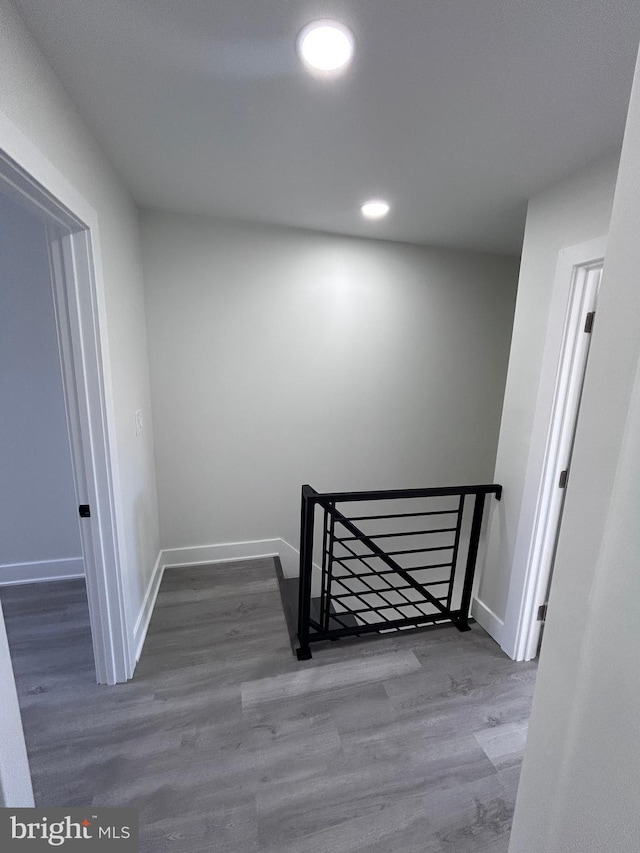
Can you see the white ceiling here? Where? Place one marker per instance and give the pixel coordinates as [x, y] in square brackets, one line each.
[456, 111]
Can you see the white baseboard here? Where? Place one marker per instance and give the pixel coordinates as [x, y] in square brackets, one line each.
[144, 617]
[492, 624]
[196, 555]
[41, 571]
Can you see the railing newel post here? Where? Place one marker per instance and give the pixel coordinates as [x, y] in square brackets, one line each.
[462, 622]
[307, 511]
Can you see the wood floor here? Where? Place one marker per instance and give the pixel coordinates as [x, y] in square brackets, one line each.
[225, 743]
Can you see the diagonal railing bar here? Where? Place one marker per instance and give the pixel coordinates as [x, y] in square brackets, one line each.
[382, 555]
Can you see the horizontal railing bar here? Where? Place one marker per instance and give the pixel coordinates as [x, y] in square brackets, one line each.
[366, 607]
[369, 628]
[376, 592]
[390, 571]
[387, 589]
[396, 553]
[397, 607]
[385, 574]
[393, 535]
[399, 494]
[354, 576]
[403, 515]
[382, 593]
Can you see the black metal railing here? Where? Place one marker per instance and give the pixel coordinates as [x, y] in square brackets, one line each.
[380, 570]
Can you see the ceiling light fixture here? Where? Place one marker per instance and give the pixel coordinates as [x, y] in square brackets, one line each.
[325, 46]
[375, 209]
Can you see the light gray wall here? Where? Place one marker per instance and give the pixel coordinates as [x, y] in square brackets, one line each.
[38, 510]
[281, 357]
[580, 785]
[573, 211]
[33, 101]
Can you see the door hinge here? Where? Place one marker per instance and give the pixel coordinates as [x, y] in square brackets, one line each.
[588, 326]
[564, 476]
[84, 510]
[542, 613]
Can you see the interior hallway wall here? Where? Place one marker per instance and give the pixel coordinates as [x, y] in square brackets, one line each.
[573, 211]
[39, 533]
[580, 783]
[282, 357]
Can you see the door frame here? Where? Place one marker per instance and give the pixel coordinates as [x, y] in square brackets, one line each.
[535, 543]
[72, 227]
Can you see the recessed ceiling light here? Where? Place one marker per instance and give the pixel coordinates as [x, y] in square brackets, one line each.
[375, 209]
[326, 45]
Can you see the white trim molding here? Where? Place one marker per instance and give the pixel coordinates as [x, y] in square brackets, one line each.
[146, 610]
[485, 617]
[40, 571]
[225, 552]
[536, 535]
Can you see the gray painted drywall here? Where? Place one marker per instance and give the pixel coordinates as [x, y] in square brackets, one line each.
[573, 211]
[38, 510]
[33, 101]
[281, 357]
[580, 784]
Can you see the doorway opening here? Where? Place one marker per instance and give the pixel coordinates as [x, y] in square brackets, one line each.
[79, 312]
[42, 585]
